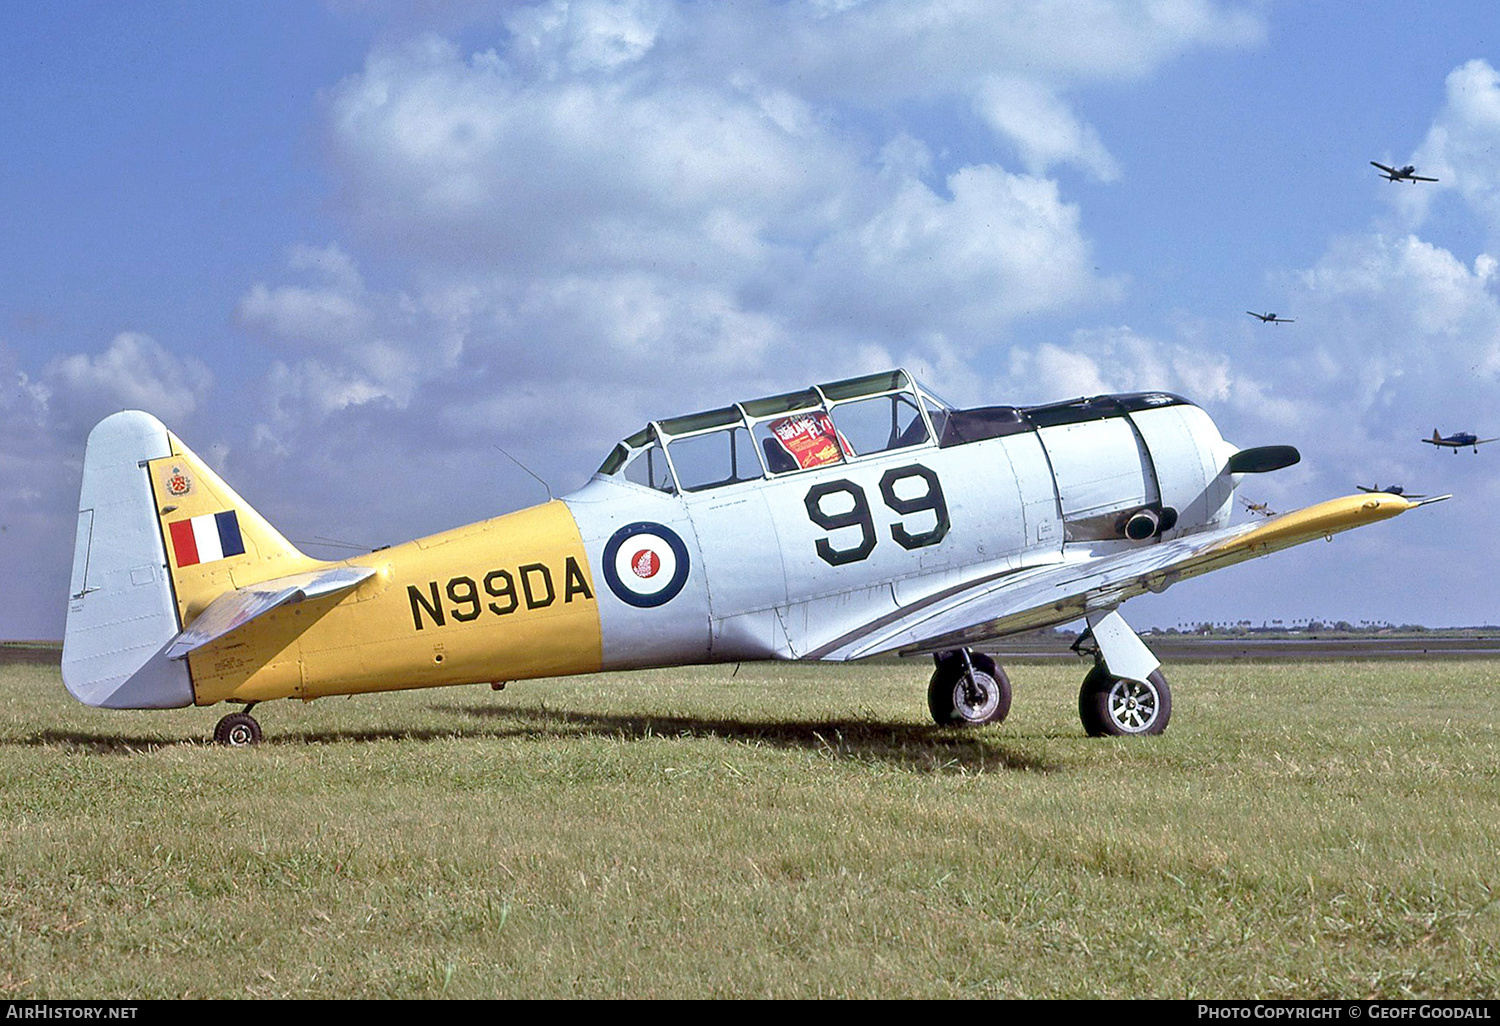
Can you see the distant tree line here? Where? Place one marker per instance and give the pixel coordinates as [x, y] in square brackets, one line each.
[1299, 626]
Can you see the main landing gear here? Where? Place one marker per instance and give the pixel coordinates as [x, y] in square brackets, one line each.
[968, 689]
[238, 730]
[1123, 695]
[1111, 706]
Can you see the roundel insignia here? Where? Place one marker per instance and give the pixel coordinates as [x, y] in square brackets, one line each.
[645, 564]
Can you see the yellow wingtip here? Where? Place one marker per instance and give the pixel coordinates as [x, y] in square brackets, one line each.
[1321, 519]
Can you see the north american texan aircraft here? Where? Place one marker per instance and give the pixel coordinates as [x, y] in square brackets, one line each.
[1402, 174]
[1457, 441]
[845, 520]
[1270, 318]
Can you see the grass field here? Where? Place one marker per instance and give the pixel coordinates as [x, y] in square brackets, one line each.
[1303, 830]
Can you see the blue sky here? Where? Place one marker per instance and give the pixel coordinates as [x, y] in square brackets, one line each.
[344, 250]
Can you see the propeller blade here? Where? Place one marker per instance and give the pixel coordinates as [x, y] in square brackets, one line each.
[1263, 459]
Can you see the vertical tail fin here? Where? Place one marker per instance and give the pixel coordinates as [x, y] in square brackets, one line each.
[121, 613]
[160, 535]
[214, 540]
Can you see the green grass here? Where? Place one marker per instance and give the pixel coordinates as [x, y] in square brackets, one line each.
[1303, 830]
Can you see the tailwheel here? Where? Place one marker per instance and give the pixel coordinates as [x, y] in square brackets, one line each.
[1113, 706]
[237, 730]
[968, 689]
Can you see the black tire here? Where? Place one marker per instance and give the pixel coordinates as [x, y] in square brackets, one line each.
[237, 730]
[954, 702]
[1111, 706]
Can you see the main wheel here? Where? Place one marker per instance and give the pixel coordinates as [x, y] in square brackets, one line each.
[237, 730]
[1111, 706]
[955, 699]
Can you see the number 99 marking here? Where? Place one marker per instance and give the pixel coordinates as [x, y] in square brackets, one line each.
[858, 515]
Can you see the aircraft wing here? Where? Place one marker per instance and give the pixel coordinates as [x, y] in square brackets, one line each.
[234, 609]
[1058, 593]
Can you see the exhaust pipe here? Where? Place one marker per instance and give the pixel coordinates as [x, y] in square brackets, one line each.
[1142, 524]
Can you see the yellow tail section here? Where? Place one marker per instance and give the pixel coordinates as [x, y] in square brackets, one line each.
[215, 541]
[183, 594]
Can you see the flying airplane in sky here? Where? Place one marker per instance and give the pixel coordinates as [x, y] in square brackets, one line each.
[1402, 174]
[1260, 508]
[1392, 490]
[1270, 318]
[845, 520]
[1460, 440]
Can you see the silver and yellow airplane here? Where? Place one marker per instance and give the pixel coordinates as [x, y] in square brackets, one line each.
[845, 520]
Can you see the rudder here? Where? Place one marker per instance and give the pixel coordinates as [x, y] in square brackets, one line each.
[121, 613]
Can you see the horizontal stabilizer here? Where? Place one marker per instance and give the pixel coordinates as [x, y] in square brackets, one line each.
[234, 609]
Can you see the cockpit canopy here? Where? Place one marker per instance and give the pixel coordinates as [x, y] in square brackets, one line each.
[841, 422]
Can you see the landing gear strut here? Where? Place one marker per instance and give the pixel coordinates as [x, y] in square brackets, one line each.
[967, 689]
[238, 730]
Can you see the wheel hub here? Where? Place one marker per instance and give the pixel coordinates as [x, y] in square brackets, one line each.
[1133, 705]
[976, 696]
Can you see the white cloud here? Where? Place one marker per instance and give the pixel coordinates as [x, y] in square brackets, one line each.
[1100, 361]
[996, 247]
[1042, 127]
[464, 159]
[873, 52]
[1461, 145]
[350, 346]
[582, 36]
[135, 372]
[44, 421]
[595, 193]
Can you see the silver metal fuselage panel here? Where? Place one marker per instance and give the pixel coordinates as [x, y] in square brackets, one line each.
[782, 566]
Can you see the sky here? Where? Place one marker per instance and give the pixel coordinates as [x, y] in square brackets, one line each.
[350, 251]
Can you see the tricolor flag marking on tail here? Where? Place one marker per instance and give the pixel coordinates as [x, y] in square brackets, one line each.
[205, 538]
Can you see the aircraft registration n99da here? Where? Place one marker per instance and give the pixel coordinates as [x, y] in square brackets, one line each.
[845, 520]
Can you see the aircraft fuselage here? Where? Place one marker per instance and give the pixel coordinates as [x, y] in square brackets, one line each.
[670, 562]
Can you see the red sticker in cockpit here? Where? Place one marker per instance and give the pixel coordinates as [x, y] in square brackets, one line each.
[810, 439]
